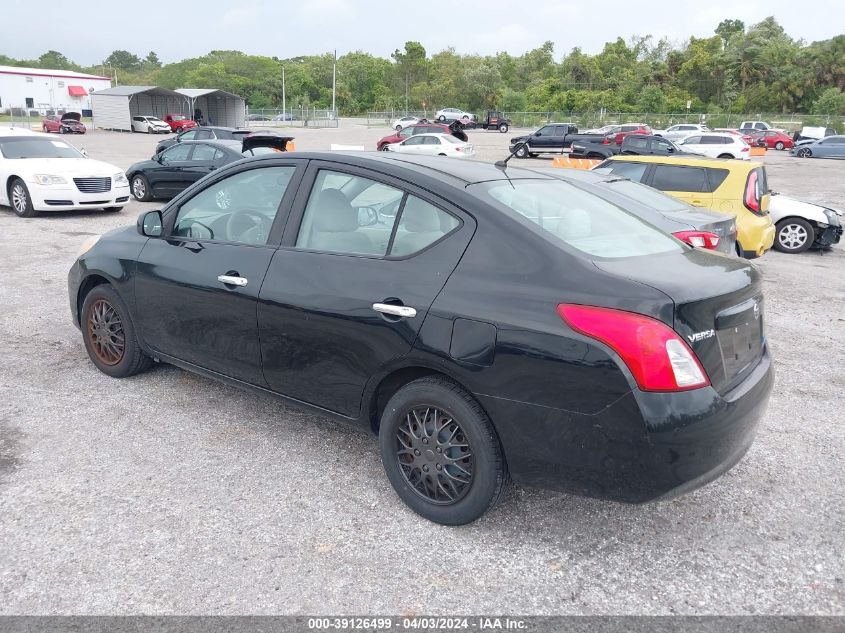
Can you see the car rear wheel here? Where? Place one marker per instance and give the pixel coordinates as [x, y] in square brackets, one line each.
[20, 199]
[779, 146]
[804, 152]
[725, 156]
[441, 118]
[141, 188]
[441, 453]
[109, 335]
[794, 235]
[503, 127]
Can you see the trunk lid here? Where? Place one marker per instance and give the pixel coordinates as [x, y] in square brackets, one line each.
[718, 307]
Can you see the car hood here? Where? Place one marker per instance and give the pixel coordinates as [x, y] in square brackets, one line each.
[71, 117]
[783, 206]
[67, 167]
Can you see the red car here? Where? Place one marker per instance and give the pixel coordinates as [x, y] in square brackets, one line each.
[421, 128]
[618, 134]
[179, 122]
[773, 139]
[68, 123]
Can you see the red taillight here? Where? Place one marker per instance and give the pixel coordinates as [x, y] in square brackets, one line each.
[699, 239]
[658, 358]
[751, 199]
[606, 141]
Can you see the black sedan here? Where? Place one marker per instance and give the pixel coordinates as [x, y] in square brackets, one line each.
[485, 323]
[204, 133]
[171, 171]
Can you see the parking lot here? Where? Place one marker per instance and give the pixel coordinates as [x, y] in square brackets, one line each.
[170, 493]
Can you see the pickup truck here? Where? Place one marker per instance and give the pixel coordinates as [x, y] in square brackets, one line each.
[639, 144]
[179, 122]
[551, 138]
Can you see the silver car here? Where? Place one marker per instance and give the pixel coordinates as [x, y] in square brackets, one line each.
[681, 131]
[828, 147]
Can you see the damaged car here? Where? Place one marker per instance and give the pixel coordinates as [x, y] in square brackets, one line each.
[803, 225]
[173, 170]
[67, 123]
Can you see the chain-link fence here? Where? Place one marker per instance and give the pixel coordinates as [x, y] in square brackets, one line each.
[291, 117]
[31, 118]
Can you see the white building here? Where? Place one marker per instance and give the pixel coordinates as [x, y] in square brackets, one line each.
[41, 89]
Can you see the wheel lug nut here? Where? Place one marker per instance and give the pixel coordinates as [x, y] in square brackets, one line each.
[439, 450]
[425, 441]
[439, 467]
[416, 452]
[425, 468]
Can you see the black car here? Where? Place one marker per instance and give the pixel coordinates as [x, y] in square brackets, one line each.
[204, 133]
[633, 144]
[169, 172]
[486, 323]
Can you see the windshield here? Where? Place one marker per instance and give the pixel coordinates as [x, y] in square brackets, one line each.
[650, 197]
[578, 218]
[153, 119]
[177, 117]
[24, 147]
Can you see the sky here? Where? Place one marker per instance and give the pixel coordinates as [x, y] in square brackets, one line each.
[284, 28]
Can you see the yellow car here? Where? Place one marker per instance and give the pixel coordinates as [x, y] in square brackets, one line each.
[737, 187]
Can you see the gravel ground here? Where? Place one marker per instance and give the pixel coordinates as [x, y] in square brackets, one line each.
[169, 493]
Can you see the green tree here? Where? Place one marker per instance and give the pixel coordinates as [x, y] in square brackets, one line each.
[729, 29]
[124, 60]
[410, 66]
[55, 60]
[831, 101]
[152, 60]
[651, 99]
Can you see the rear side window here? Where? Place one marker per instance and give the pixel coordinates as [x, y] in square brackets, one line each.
[630, 170]
[716, 177]
[677, 178]
[420, 225]
[636, 143]
[578, 218]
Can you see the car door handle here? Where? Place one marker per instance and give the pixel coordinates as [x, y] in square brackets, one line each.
[231, 280]
[401, 311]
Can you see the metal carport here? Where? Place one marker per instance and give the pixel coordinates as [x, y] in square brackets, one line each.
[114, 107]
[218, 107]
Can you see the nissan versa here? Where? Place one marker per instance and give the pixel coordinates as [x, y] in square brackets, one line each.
[487, 323]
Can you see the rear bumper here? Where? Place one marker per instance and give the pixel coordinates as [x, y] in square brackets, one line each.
[645, 446]
[69, 198]
[755, 235]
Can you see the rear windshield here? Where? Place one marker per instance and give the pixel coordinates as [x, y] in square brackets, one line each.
[24, 147]
[578, 218]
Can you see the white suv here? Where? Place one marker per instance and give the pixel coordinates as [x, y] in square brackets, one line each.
[716, 145]
[681, 131]
[754, 125]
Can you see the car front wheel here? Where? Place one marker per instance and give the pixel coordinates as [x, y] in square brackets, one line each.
[804, 153]
[141, 188]
[20, 199]
[522, 152]
[109, 335]
[794, 235]
[441, 453]
[503, 127]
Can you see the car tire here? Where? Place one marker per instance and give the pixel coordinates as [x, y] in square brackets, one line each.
[503, 128]
[441, 154]
[61, 130]
[725, 156]
[794, 235]
[141, 188]
[44, 129]
[20, 200]
[804, 152]
[384, 148]
[398, 128]
[779, 146]
[450, 475]
[109, 335]
[441, 118]
[522, 152]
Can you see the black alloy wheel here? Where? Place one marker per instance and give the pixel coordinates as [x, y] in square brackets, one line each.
[804, 152]
[441, 452]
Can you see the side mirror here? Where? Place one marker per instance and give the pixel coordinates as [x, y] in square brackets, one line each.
[537, 133]
[670, 149]
[156, 158]
[150, 224]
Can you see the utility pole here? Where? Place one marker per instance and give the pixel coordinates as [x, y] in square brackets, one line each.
[334, 82]
[283, 93]
[406, 92]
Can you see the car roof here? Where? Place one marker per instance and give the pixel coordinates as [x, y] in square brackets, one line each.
[453, 172]
[691, 161]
